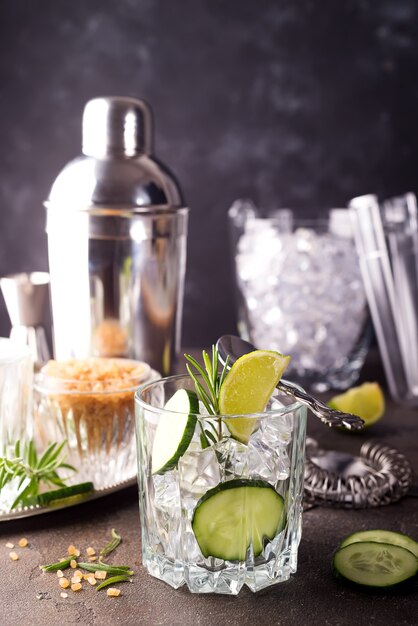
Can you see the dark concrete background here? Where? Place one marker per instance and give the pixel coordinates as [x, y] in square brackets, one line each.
[301, 104]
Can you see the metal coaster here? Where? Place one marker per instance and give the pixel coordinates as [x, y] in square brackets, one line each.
[378, 476]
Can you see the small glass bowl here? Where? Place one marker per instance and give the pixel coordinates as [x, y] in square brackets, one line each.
[90, 404]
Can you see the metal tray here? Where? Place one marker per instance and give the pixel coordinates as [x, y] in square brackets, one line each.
[30, 511]
[97, 493]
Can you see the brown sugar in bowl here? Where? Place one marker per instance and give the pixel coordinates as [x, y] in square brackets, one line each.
[90, 403]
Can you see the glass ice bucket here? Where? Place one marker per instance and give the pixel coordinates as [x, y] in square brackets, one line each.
[300, 292]
[224, 513]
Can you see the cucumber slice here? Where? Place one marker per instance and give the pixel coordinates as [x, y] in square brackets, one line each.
[373, 564]
[383, 536]
[57, 495]
[174, 431]
[235, 514]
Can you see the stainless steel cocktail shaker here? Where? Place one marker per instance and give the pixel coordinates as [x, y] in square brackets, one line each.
[117, 230]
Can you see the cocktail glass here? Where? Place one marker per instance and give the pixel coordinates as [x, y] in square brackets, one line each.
[16, 374]
[272, 462]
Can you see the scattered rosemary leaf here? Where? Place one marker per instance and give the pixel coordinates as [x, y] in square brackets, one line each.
[112, 545]
[111, 581]
[53, 567]
[110, 569]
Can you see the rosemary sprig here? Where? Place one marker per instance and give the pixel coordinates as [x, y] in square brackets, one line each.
[53, 567]
[112, 545]
[209, 396]
[116, 570]
[122, 570]
[112, 580]
[211, 377]
[27, 466]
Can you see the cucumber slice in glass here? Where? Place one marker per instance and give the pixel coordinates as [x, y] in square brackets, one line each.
[235, 514]
[383, 536]
[174, 431]
[373, 564]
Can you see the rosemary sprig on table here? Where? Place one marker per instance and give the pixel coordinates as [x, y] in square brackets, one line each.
[209, 396]
[117, 570]
[54, 567]
[117, 573]
[112, 545]
[113, 580]
[27, 466]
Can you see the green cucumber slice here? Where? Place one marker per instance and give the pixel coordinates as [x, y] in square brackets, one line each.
[235, 514]
[373, 564]
[383, 536]
[174, 431]
[57, 495]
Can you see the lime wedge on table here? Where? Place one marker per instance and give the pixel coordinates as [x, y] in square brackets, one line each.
[367, 401]
[248, 387]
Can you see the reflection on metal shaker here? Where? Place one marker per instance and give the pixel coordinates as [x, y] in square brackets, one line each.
[117, 230]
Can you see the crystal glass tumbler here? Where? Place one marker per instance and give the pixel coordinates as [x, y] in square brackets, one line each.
[221, 513]
[300, 292]
[16, 374]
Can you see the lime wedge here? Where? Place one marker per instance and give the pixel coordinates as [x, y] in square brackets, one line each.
[367, 401]
[248, 387]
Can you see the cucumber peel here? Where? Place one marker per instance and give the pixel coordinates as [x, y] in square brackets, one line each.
[382, 536]
[175, 430]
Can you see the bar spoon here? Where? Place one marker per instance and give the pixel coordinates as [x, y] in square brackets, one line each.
[235, 347]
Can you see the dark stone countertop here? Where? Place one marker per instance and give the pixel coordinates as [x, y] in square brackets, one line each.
[312, 596]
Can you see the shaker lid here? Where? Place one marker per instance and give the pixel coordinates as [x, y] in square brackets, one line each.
[117, 168]
[118, 126]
